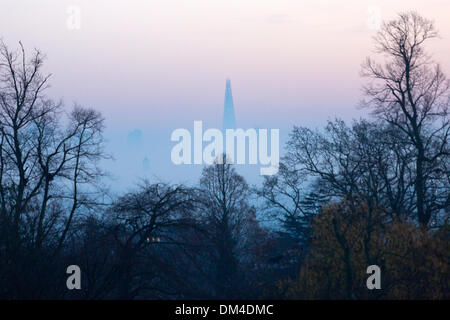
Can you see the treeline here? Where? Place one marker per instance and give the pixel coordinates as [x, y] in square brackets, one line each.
[376, 192]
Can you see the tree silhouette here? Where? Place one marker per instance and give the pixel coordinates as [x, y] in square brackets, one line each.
[411, 92]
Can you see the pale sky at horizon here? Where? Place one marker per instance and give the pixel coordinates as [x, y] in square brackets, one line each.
[163, 63]
[291, 57]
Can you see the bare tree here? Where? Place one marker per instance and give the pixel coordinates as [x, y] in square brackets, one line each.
[48, 163]
[224, 196]
[371, 160]
[149, 225]
[292, 200]
[411, 92]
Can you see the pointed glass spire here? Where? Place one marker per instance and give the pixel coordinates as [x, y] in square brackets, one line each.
[229, 120]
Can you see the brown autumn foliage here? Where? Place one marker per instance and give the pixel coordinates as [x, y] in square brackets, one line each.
[349, 236]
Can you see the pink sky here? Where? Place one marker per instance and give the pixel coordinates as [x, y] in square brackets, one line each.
[165, 59]
[158, 65]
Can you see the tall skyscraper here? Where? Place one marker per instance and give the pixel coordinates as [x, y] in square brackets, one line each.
[229, 120]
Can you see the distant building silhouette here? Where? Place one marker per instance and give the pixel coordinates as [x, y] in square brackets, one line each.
[146, 164]
[229, 120]
[135, 138]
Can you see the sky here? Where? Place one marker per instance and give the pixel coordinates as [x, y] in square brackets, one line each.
[153, 66]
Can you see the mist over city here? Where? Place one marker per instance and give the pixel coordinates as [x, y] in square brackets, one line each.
[224, 151]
